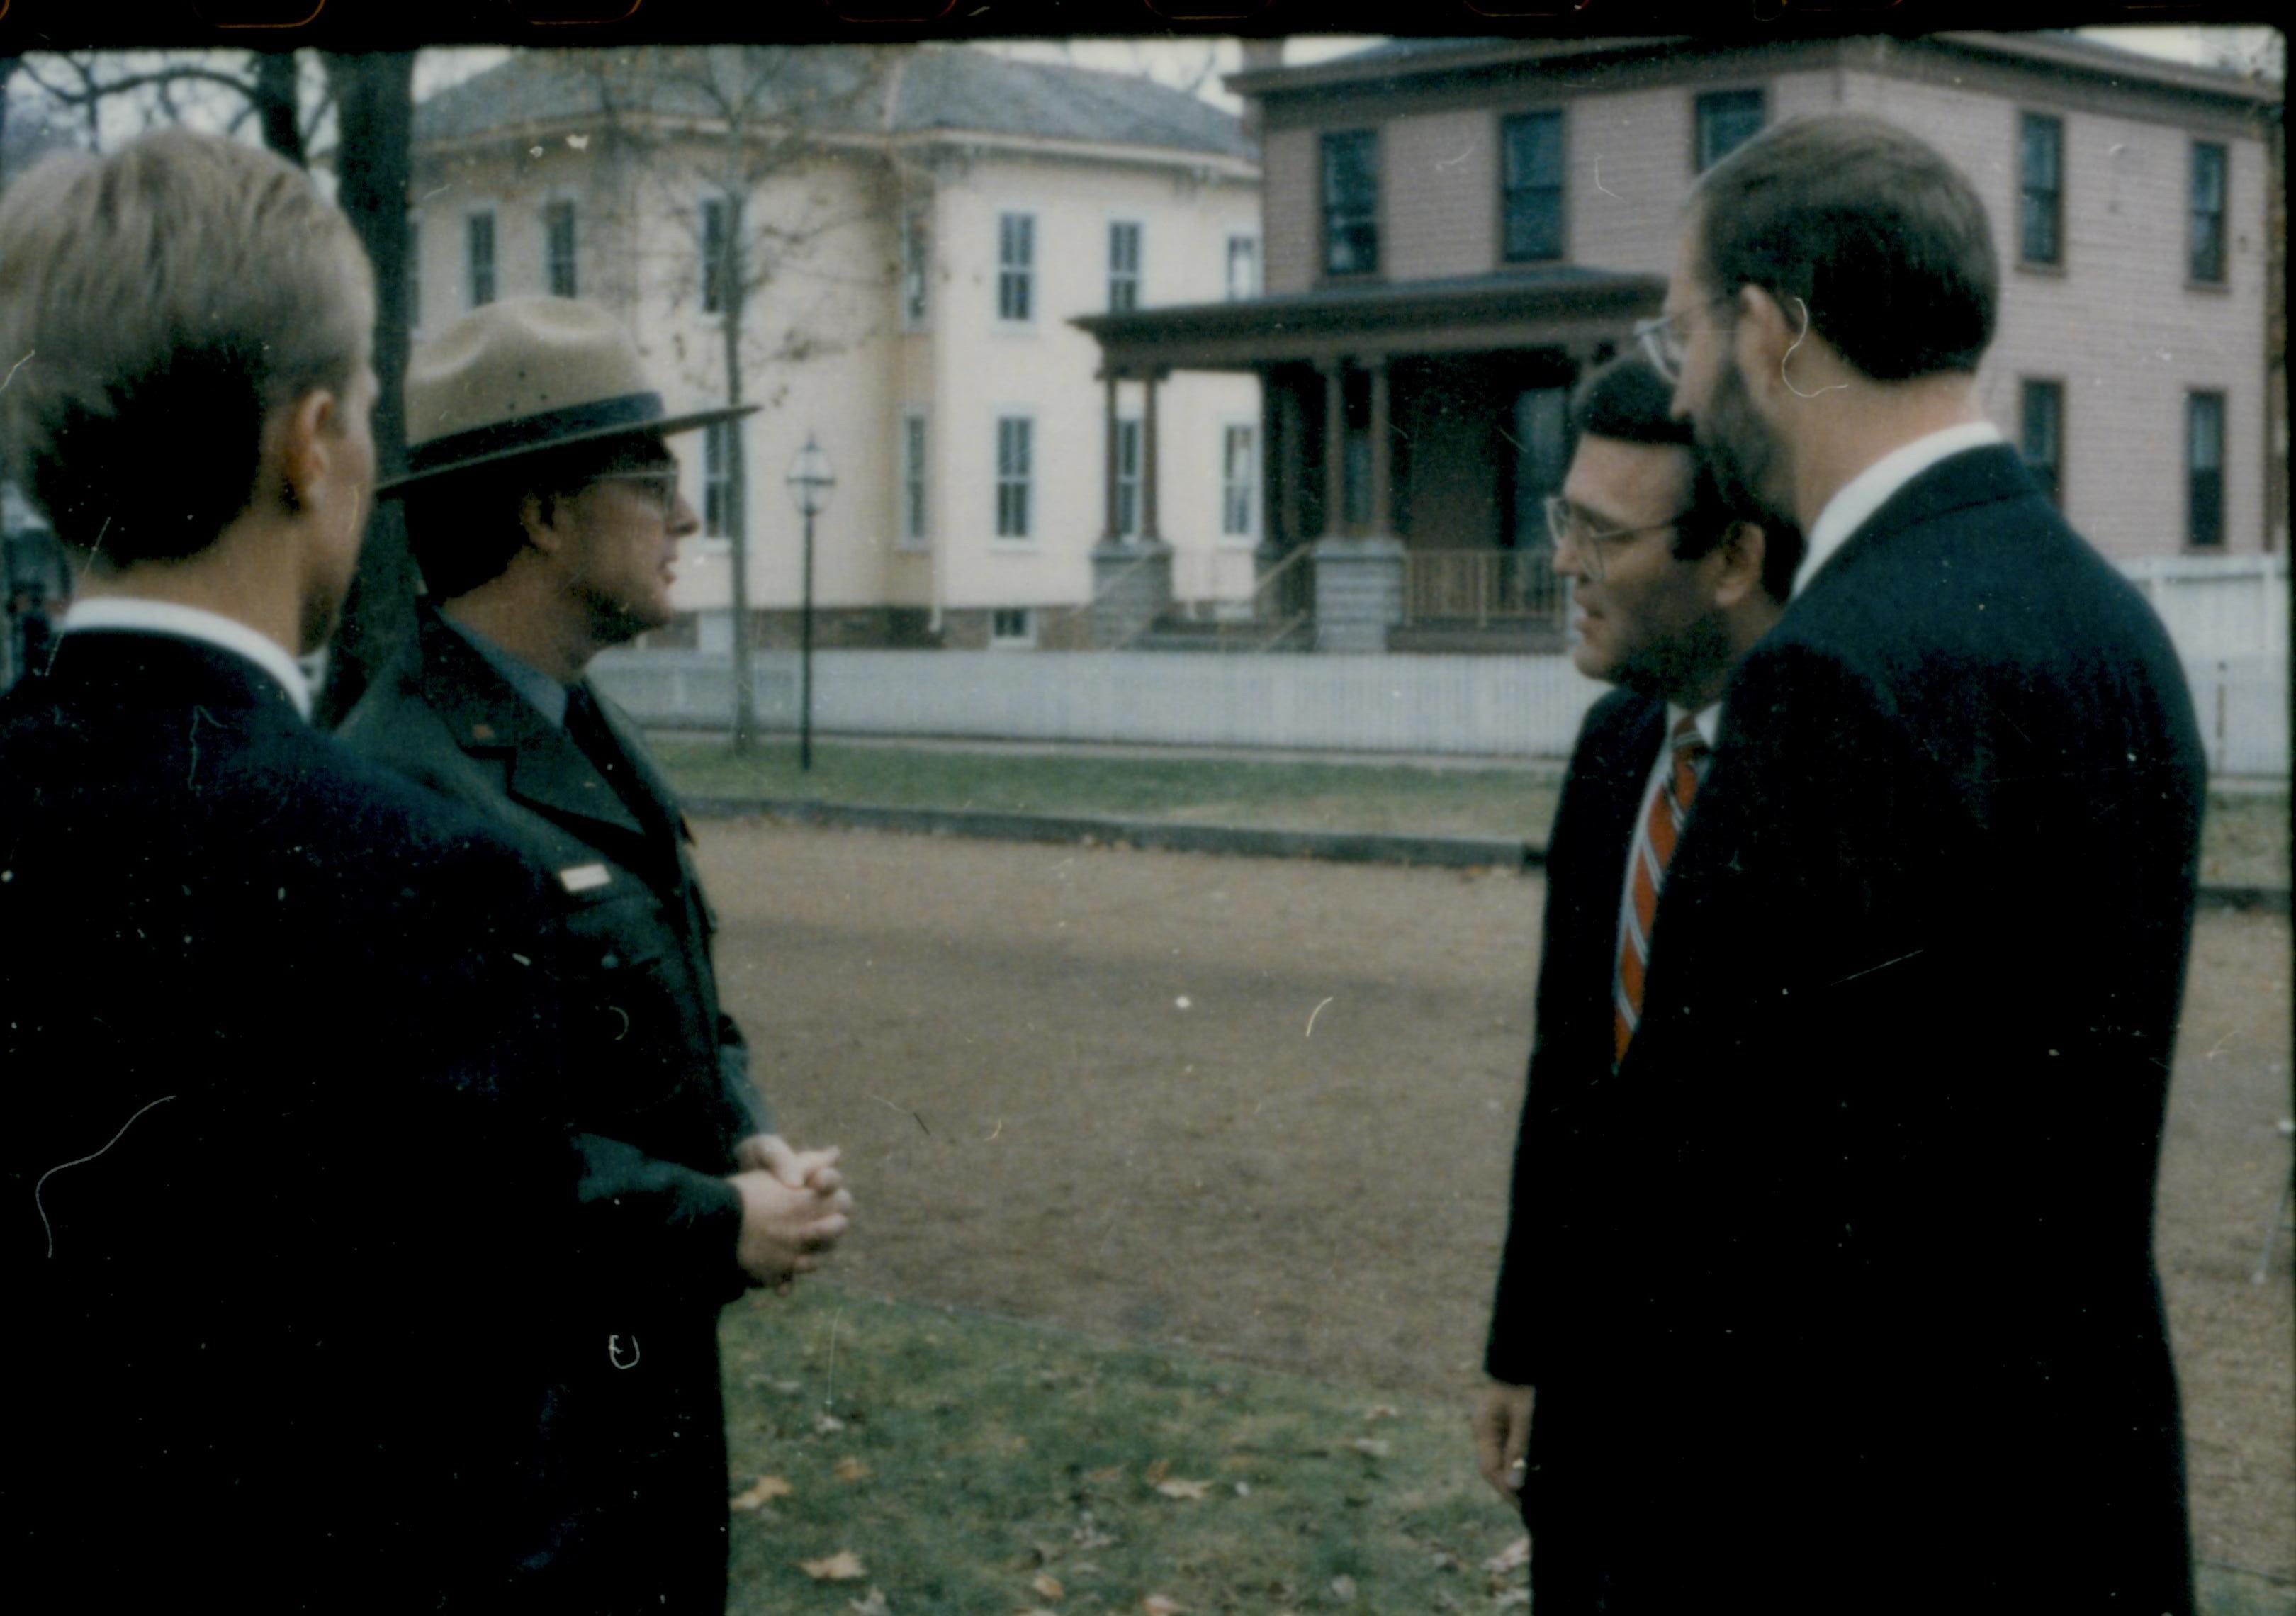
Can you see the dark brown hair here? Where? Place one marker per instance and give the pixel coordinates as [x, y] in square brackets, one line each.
[1884, 243]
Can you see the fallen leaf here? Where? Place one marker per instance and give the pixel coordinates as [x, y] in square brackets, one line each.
[1105, 1478]
[1177, 1489]
[1514, 1556]
[1159, 1605]
[1380, 1411]
[873, 1605]
[1159, 1471]
[1047, 1585]
[1088, 1535]
[850, 1469]
[1373, 1448]
[1244, 1489]
[764, 1491]
[1343, 1589]
[827, 1424]
[843, 1566]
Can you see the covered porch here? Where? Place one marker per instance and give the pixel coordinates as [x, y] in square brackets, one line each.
[1407, 435]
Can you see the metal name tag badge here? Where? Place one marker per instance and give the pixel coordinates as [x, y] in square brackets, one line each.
[585, 877]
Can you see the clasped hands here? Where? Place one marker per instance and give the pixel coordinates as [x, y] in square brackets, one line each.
[794, 1208]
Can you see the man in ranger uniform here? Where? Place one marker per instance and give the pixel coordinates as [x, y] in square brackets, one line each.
[543, 508]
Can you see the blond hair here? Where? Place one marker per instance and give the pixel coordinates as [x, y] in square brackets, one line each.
[157, 304]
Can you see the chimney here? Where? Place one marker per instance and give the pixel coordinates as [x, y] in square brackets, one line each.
[1258, 55]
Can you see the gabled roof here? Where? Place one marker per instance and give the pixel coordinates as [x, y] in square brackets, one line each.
[843, 89]
[1395, 61]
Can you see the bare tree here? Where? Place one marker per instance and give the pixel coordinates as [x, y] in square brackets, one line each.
[225, 90]
[711, 130]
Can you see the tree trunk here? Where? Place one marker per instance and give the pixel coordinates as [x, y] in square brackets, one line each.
[276, 106]
[374, 113]
[7, 72]
[734, 293]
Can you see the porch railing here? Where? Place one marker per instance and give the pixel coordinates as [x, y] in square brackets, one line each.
[1283, 598]
[1481, 589]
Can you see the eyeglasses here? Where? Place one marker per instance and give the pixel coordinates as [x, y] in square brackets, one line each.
[1664, 340]
[1566, 524]
[658, 488]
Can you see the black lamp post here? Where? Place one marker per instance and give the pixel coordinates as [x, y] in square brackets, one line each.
[809, 481]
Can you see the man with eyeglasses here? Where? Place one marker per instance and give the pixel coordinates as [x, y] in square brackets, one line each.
[1671, 588]
[1886, 1290]
[542, 506]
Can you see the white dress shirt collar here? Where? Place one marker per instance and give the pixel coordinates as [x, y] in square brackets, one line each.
[1709, 722]
[1857, 500]
[133, 615]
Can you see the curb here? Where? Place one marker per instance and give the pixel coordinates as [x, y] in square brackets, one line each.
[1341, 847]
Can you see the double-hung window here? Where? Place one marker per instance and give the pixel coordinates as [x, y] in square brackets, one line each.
[2206, 261]
[1123, 267]
[915, 532]
[1243, 268]
[2204, 462]
[479, 258]
[1016, 267]
[558, 249]
[1128, 479]
[1236, 480]
[1014, 482]
[1727, 119]
[916, 270]
[2041, 189]
[721, 513]
[1531, 178]
[2041, 435]
[720, 255]
[1351, 203]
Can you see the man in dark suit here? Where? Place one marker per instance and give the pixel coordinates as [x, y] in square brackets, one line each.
[1671, 588]
[286, 1187]
[543, 507]
[1872, 1186]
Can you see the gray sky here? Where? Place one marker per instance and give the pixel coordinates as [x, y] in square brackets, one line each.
[1200, 63]
[1181, 62]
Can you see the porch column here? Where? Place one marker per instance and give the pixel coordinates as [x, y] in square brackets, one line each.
[1382, 446]
[1358, 578]
[1335, 445]
[1270, 512]
[1108, 472]
[1131, 582]
[1149, 532]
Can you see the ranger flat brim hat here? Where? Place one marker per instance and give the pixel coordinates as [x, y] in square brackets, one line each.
[523, 375]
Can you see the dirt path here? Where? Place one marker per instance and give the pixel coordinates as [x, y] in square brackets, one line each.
[1265, 1108]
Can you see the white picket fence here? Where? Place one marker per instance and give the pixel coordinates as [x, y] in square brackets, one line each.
[2218, 606]
[1495, 706]
[1490, 706]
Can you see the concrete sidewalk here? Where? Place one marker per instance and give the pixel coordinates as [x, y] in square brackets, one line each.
[1344, 847]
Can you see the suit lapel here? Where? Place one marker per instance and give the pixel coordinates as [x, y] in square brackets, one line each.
[655, 784]
[542, 768]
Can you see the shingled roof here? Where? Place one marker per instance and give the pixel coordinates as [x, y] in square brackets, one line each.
[935, 88]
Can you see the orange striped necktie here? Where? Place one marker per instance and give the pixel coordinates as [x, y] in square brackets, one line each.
[1654, 840]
